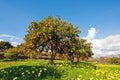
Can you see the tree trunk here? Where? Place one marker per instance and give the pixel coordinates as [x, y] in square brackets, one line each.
[78, 58]
[71, 58]
[52, 57]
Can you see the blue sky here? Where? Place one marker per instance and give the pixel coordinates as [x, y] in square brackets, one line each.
[103, 16]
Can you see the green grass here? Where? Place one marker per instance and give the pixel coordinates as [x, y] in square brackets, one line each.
[62, 70]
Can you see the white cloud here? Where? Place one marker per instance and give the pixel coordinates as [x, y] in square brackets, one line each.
[15, 43]
[109, 45]
[91, 34]
[12, 39]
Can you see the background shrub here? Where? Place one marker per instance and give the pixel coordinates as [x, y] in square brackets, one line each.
[114, 60]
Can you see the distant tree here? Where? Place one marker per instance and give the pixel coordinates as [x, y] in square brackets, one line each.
[4, 45]
[114, 60]
[50, 34]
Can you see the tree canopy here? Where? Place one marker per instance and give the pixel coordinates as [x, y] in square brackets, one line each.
[53, 35]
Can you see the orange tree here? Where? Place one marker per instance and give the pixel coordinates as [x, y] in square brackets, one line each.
[50, 34]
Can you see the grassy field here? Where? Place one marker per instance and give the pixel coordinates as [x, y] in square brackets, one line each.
[62, 70]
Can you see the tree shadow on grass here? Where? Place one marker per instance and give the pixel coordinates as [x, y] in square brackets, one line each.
[30, 73]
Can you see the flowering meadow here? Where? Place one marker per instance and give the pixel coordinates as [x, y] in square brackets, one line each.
[62, 70]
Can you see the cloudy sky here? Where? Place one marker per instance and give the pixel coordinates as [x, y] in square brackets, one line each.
[98, 20]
